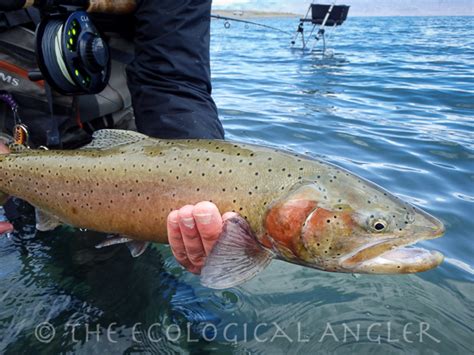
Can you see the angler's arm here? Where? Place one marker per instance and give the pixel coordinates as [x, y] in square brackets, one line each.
[170, 84]
[169, 79]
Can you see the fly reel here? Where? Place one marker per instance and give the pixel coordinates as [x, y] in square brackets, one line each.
[71, 54]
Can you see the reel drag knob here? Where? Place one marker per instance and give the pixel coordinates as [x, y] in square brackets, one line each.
[96, 54]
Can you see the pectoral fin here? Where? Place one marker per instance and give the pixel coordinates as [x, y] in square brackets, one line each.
[135, 247]
[236, 257]
[45, 221]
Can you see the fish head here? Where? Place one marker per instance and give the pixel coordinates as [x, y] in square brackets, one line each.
[351, 225]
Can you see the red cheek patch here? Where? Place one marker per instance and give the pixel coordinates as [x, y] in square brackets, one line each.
[317, 228]
[285, 220]
[325, 228]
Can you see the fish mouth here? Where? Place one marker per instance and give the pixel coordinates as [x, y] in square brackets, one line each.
[395, 256]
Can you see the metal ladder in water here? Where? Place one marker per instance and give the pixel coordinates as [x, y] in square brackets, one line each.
[320, 34]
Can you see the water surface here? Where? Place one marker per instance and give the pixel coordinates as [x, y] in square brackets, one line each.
[394, 103]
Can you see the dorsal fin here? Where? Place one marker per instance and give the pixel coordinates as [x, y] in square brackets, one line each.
[108, 138]
[17, 148]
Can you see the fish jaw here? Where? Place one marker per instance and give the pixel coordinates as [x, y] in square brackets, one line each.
[399, 260]
[397, 256]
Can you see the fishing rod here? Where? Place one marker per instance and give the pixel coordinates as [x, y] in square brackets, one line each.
[72, 54]
[105, 6]
[225, 18]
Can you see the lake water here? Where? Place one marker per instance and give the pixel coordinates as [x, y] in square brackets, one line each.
[393, 102]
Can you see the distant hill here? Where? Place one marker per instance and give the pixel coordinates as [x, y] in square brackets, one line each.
[252, 14]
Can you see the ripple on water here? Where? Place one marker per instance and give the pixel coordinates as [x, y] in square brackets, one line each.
[393, 104]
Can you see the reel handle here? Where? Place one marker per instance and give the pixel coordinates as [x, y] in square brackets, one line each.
[35, 75]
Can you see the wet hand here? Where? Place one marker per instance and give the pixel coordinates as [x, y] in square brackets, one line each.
[193, 231]
[5, 226]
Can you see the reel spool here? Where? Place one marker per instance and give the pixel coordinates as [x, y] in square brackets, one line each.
[71, 54]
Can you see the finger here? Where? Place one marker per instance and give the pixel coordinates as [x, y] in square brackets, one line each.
[6, 227]
[209, 224]
[176, 240]
[191, 238]
[4, 149]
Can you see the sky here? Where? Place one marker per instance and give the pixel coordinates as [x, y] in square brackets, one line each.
[360, 7]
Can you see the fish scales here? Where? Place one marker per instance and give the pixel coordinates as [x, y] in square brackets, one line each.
[131, 189]
[290, 206]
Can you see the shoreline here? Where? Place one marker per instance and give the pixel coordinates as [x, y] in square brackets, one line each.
[240, 14]
[251, 14]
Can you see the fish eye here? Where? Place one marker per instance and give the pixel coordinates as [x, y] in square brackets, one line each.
[379, 225]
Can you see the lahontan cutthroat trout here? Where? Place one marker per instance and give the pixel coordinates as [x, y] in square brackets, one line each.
[290, 207]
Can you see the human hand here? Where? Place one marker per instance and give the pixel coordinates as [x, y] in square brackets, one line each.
[5, 226]
[193, 231]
